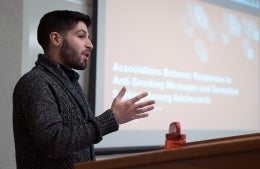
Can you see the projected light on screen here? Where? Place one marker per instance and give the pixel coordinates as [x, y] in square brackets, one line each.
[199, 61]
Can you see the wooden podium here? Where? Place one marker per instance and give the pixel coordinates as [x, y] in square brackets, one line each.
[237, 152]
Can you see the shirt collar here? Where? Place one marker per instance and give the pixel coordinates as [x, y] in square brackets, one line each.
[71, 74]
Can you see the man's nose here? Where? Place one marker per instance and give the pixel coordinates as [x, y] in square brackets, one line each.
[89, 44]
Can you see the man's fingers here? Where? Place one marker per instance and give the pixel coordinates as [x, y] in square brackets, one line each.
[144, 109]
[144, 104]
[138, 97]
[143, 115]
[121, 93]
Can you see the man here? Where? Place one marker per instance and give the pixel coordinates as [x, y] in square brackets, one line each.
[54, 127]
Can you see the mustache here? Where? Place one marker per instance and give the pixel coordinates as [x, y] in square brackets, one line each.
[87, 51]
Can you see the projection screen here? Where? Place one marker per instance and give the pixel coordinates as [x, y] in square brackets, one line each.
[199, 60]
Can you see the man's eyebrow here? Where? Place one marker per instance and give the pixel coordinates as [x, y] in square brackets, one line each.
[81, 30]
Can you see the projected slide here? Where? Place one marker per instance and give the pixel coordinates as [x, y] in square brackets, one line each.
[198, 61]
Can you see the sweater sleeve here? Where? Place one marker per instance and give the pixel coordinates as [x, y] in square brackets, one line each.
[107, 122]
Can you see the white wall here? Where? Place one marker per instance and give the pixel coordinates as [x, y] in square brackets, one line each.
[10, 69]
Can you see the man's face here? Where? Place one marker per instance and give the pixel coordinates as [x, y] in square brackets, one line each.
[76, 48]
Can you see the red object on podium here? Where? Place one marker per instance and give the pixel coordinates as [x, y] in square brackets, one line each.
[174, 138]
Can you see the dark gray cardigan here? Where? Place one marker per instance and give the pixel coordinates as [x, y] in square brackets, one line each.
[53, 125]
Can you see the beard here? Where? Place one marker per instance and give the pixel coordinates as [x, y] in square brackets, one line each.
[70, 57]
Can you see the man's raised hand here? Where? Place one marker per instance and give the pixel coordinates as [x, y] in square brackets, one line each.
[131, 109]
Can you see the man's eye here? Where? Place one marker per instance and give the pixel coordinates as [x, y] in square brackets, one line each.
[81, 36]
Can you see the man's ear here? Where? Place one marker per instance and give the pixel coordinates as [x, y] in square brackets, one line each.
[55, 39]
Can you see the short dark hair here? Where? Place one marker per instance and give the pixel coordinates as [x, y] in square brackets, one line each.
[59, 21]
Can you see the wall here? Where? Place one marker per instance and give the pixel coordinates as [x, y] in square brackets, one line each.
[11, 16]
